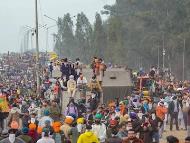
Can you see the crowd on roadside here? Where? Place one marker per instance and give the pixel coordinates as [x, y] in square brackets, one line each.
[133, 118]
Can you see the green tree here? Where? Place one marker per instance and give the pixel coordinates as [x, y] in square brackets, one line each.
[65, 38]
[83, 36]
[99, 37]
[151, 25]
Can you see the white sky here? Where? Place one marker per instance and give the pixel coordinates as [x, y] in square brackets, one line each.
[14, 14]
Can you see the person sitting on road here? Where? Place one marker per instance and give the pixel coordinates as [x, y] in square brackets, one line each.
[71, 86]
[82, 84]
[71, 108]
[95, 87]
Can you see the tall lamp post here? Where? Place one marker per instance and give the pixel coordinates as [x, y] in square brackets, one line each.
[163, 54]
[37, 50]
[47, 36]
[183, 57]
[183, 74]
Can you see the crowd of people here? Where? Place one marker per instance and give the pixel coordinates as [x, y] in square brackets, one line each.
[134, 118]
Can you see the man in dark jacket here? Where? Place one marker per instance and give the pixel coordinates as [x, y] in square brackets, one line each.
[51, 68]
[173, 110]
[65, 69]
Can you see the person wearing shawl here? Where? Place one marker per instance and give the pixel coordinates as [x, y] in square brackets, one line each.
[122, 108]
[99, 128]
[45, 118]
[66, 127]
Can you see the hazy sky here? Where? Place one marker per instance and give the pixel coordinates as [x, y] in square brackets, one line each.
[14, 14]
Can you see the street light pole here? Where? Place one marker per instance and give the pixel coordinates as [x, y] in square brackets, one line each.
[163, 54]
[183, 74]
[158, 58]
[37, 50]
[47, 37]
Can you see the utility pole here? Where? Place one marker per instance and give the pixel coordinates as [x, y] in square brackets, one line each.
[183, 74]
[163, 54]
[47, 38]
[31, 40]
[158, 58]
[37, 51]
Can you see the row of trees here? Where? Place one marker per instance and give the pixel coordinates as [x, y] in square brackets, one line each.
[135, 33]
[83, 42]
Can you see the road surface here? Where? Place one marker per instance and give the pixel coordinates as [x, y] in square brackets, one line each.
[181, 135]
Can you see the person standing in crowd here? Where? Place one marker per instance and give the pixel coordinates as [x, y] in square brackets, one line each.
[78, 67]
[66, 127]
[51, 68]
[99, 128]
[65, 69]
[25, 119]
[54, 111]
[32, 132]
[56, 90]
[102, 68]
[93, 64]
[12, 137]
[185, 108]
[46, 138]
[188, 122]
[155, 128]
[122, 133]
[181, 122]
[74, 133]
[173, 110]
[161, 110]
[45, 118]
[57, 132]
[88, 136]
[82, 84]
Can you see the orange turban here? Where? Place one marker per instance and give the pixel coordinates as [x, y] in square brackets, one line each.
[69, 120]
[56, 127]
[39, 130]
[32, 126]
